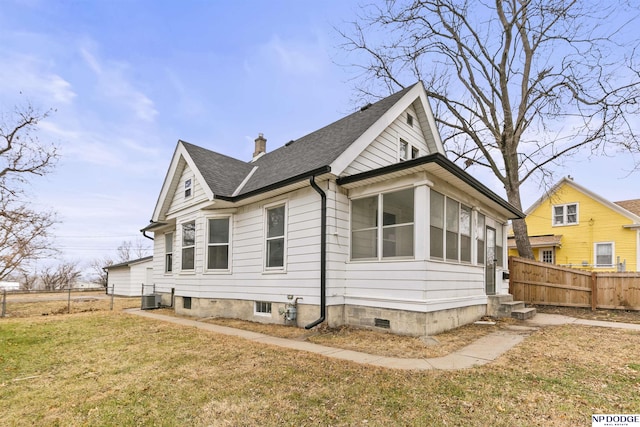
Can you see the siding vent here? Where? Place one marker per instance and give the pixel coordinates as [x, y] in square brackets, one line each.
[186, 303]
[382, 323]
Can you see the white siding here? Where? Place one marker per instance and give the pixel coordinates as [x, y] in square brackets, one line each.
[384, 150]
[247, 278]
[178, 199]
[128, 280]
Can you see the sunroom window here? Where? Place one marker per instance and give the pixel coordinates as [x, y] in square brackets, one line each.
[382, 226]
[450, 230]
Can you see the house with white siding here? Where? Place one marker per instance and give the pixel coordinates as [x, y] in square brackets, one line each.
[363, 222]
[130, 278]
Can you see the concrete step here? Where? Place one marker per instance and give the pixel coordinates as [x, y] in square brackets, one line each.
[523, 313]
[513, 305]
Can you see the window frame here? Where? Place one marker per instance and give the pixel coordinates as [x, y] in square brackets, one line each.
[267, 239]
[546, 251]
[451, 232]
[381, 228]
[188, 188]
[184, 247]
[410, 119]
[595, 254]
[228, 243]
[565, 215]
[168, 255]
[403, 149]
[262, 304]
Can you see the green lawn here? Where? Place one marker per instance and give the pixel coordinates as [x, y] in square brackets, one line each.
[109, 368]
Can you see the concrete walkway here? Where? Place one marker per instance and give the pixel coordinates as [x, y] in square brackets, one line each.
[480, 352]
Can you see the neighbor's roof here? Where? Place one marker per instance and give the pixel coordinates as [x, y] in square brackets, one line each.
[632, 206]
[129, 263]
[538, 241]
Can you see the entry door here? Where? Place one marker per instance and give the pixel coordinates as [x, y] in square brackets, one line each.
[490, 270]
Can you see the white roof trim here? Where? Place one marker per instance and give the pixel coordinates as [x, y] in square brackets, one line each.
[244, 181]
[359, 145]
[179, 153]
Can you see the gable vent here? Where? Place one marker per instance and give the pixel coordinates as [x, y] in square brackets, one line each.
[382, 323]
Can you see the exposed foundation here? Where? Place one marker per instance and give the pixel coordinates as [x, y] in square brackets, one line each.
[395, 321]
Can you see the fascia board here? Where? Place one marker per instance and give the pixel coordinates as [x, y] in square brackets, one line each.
[359, 145]
[179, 153]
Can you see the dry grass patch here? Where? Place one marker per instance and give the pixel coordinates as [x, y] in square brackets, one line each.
[373, 342]
[107, 368]
[51, 304]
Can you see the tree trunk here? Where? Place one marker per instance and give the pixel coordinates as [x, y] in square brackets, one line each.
[519, 225]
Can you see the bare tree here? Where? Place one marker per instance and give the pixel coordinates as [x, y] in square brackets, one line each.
[64, 276]
[24, 233]
[97, 266]
[517, 85]
[130, 250]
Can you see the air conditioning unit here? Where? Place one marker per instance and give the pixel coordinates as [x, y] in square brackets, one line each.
[149, 302]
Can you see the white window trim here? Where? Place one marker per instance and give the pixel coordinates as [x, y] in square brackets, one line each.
[261, 313]
[191, 181]
[564, 214]
[229, 244]
[380, 228]
[173, 243]
[265, 223]
[407, 151]
[547, 249]
[613, 255]
[182, 247]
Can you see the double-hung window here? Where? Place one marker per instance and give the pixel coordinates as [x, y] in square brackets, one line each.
[603, 254]
[450, 229]
[565, 214]
[188, 245]
[275, 241]
[382, 226]
[218, 244]
[168, 252]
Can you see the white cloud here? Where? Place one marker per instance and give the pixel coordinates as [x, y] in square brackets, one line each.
[113, 83]
[291, 56]
[34, 79]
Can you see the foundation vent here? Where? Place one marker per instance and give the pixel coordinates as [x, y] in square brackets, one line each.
[382, 323]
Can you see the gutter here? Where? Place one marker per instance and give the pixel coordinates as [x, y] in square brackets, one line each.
[323, 254]
[446, 164]
[276, 185]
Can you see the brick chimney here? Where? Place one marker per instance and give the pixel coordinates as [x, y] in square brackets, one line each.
[261, 145]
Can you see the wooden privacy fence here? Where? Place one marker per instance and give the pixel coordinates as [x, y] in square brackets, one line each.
[547, 284]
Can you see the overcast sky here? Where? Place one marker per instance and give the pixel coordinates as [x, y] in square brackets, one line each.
[129, 78]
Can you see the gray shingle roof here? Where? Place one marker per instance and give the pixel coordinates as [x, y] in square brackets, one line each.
[318, 149]
[223, 174]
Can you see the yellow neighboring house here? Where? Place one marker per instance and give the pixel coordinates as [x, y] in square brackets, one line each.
[574, 227]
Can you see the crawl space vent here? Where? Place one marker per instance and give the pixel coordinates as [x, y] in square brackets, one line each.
[382, 323]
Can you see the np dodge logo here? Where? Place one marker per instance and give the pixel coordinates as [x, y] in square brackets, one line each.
[615, 420]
